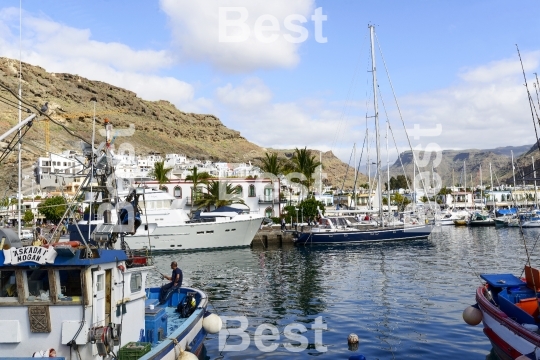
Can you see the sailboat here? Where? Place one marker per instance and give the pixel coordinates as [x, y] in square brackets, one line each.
[335, 230]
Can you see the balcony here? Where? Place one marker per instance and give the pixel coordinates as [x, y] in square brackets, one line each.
[269, 200]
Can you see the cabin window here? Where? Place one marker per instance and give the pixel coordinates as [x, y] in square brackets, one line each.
[37, 283]
[70, 285]
[100, 282]
[251, 191]
[135, 284]
[178, 192]
[8, 286]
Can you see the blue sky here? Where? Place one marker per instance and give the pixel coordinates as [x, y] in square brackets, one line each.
[452, 63]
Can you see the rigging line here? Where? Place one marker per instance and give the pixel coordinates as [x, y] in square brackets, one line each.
[525, 245]
[348, 98]
[12, 104]
[69, 131]
[403, 122]
[12, 143]
[395, 143]
[530, 98]
[358, 167]
[347, 171]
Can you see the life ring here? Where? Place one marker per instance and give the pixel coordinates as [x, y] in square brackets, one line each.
[74, 244]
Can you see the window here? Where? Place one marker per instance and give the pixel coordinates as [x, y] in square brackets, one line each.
[178, 192]
[164, 188]
[70, 285]
[8, 286]
[100, 282]
[268, 212]
[37, 282]
[239, 190]
[252, 191]
[135, 284]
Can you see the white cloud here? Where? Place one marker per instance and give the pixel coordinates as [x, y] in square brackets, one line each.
[196, 29]
[250, 95]
[487, 109]
[60, 48]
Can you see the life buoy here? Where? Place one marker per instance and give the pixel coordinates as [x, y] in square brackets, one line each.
[74, 244]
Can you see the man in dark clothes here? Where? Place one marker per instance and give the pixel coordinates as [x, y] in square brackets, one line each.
[176, 282]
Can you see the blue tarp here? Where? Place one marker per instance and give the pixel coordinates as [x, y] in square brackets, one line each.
[501, 212]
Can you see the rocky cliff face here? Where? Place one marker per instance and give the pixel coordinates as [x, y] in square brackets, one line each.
[159, 125]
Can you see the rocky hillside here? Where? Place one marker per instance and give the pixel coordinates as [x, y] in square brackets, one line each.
[159, 125]
[452, 164]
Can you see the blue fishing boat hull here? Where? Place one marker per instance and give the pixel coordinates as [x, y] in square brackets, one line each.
[361, 236]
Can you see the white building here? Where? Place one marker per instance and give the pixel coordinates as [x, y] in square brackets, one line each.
[59, 171]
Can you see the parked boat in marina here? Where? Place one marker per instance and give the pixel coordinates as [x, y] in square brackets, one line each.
[167, 225]
[480, 219]
[331, 230]
[508, 307]
[71, 297]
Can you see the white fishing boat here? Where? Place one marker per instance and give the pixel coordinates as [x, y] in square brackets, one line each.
[74, 299]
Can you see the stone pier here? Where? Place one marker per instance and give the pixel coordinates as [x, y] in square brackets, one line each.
[272, 238]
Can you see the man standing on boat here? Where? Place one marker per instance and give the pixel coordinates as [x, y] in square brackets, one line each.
[176, 282]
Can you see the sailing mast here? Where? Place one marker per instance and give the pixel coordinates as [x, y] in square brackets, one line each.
[465, 179]
[513, 169]
[377, 140]
[388, 170]
[534, 175]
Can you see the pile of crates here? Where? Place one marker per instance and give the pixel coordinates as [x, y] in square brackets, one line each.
[134, 350]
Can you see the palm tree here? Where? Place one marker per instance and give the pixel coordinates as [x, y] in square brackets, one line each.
[305, 163]
[219, 194]
[160, 173]
[197, 179]
[272, 165]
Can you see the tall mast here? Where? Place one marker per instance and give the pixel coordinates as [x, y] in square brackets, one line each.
[491, 178]
[19, 171]
[534, 175]
[388, 169]
[465, 178]
[377, 140]
[354, 183]
[513, 169]
[320, 177]
[481, 197]
[370, 205]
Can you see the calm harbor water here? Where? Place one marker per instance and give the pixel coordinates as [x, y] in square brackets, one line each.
[404, 300]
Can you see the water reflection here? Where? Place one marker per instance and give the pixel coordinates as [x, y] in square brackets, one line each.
[403, 299]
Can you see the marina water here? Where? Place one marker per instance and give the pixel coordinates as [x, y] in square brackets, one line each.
[404, 299]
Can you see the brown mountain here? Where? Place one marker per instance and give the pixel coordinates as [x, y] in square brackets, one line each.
[159, 125]
[455, 163]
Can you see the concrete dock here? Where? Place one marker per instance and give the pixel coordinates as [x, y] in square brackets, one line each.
[272, 237]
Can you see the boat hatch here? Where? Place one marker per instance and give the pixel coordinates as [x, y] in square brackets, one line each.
[502, 280]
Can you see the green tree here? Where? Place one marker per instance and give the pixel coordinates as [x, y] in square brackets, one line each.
[219, 194]
[273, 165]
[28, 216]
[305, 163]
[53, 208]
[308, 208]
[159, 172]
[197, 178]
